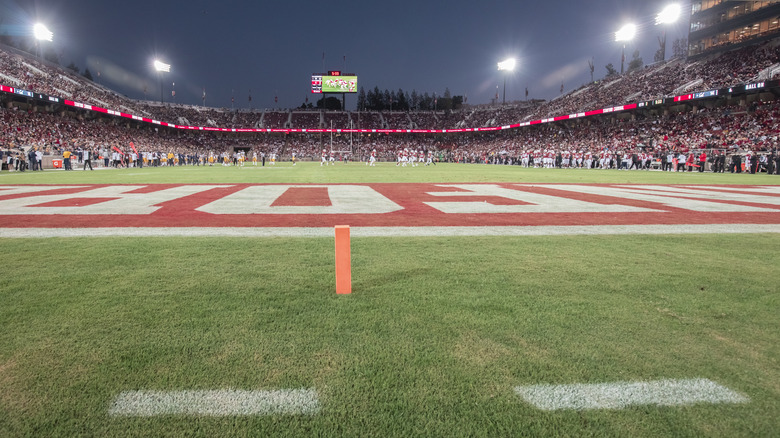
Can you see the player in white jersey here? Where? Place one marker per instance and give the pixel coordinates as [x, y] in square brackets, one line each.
[332, 158]
[524, 158]
[398, 158]
[254, 158]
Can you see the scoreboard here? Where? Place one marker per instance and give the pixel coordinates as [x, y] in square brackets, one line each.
[334, 82]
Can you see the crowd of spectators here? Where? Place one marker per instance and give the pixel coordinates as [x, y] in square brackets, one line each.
[368, 120]
[731, 130]
[397, 120]
[275, 119]
[307, 120]
[424, 120]
[656, 81]
[663, 80]
[338, 119]
[735, 130]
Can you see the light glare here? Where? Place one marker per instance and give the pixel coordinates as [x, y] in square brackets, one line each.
[161, 66]
[626, 33]
[507, 64]
[670, 14]
[42, 33]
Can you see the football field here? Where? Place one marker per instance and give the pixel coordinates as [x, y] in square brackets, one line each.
[487, 301]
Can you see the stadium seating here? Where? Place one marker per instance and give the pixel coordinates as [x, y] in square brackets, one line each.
[712, 126]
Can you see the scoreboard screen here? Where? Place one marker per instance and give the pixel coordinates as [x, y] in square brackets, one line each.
[333, 83]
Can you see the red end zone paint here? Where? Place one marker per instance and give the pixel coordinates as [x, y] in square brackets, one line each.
[383, 205]
[303, 197]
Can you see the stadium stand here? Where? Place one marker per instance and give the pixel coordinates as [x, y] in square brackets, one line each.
[368, 120]
[337, 119]
[398, 120]
[719, 125]
[424, 120]
[275, 119]
[306, 120]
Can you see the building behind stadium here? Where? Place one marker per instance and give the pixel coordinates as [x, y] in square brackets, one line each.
[720, 25]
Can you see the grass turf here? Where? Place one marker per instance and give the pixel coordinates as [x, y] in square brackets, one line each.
[431, 342]
[312, 172]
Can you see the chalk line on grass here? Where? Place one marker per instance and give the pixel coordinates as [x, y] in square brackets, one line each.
[223, 402]
[619, 395]
[553, 230]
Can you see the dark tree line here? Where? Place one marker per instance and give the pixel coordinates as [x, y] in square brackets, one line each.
[377, 100]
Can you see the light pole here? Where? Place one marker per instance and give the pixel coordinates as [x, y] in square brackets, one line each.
[161, 68]
[668, 15]
[41, 33]
[625, 34]
[507, 65]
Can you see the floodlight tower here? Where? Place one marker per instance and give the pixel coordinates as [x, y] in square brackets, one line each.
[161, 68]
[625, 34]
[41, 33]
[507, 65]
[668, 15]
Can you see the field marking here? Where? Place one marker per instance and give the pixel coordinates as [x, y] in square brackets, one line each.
[344, 199]
[619, 395]
[215, 403]
[286, 232]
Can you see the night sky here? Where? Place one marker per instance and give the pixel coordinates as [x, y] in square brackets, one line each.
[272, 48]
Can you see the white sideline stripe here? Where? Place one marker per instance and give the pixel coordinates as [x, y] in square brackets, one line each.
[223, 402]
[390, 231]
[619, 395]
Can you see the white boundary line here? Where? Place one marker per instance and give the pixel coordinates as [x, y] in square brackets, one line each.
[441, 231]
[224, 402]
[619, 395]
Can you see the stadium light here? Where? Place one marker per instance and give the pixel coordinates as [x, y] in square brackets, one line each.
[625, 34]
[668, 15]
[42, 33]
[506, 65]
[161, 68]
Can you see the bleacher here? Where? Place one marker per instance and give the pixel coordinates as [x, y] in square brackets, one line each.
[306, 120]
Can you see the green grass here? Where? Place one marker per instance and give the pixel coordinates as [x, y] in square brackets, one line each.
[431, 342]
[312, 172]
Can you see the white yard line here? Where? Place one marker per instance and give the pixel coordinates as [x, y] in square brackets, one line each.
[619, 395]
[223, 402]
[390, 231]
